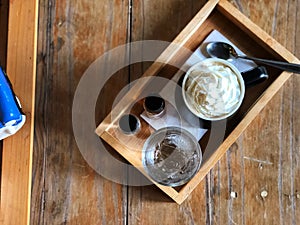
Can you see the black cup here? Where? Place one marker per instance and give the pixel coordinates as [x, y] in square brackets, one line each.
[154, 106]
[129, 124]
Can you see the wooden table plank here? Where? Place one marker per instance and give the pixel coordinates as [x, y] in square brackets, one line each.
[273, 130]
[3, 48]
[17, 149]
[71, 36]
[161, 20]
[294, 193]
[3, 33]
[266, 145]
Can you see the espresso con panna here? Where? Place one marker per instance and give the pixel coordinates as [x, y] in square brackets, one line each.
[213, 89]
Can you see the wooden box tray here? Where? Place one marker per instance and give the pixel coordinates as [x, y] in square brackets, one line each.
[215, 15]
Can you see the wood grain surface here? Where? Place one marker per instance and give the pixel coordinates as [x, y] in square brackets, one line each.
[3, 33]
[256, 182]
[17, 149]
[3, 48]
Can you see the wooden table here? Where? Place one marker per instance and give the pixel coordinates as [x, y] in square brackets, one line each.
[256, 182]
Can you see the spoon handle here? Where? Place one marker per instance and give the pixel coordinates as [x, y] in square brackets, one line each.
[290, 67]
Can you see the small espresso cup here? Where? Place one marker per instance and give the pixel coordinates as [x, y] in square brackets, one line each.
[154, 106]
[213, 89]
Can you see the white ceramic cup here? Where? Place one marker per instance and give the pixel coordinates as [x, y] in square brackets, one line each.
[215, 67]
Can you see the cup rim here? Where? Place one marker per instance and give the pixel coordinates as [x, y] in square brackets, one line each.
[235, 70]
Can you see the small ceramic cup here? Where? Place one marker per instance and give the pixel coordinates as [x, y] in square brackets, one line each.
[129, 124]
[213, 89]
[154, 106]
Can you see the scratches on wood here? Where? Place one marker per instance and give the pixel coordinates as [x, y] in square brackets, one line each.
[266, 162]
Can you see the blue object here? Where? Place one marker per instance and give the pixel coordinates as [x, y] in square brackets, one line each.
[11, 116]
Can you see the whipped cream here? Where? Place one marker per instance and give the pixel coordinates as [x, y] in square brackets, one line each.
[213, 89]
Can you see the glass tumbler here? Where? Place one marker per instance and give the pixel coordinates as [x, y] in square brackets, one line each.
[171, 156]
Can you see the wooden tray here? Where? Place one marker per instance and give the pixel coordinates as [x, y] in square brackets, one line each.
[224, 17]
